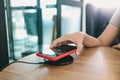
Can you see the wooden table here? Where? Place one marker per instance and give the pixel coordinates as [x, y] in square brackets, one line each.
[101, 63]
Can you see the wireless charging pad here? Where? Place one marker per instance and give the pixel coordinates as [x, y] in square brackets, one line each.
[64, 61]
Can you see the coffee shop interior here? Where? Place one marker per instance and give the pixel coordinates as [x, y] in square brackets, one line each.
[28, 26]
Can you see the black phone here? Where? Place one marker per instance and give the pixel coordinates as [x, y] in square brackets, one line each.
[54, 54]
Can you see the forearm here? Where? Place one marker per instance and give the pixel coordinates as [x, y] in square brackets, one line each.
[105, 39]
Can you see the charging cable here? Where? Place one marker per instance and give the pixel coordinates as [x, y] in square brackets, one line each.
[27, 62]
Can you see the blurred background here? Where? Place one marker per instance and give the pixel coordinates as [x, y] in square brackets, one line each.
[32, 24]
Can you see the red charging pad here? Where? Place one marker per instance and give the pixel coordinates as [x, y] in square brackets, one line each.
[64, 61]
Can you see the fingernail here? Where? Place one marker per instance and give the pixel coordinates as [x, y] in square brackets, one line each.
[77, 53]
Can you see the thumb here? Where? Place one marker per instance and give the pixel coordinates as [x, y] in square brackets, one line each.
[117, 46]
[78, 50]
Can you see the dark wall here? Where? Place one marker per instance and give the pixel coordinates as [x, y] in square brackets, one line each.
[3, 38]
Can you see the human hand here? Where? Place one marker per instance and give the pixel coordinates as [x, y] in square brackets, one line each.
[75, 38]
[117, 46]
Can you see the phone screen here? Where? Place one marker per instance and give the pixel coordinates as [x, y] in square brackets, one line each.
[54, 52]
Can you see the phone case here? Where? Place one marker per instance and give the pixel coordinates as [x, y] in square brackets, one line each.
[57, 57]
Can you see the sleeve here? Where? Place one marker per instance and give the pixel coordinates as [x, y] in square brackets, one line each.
[115, 20]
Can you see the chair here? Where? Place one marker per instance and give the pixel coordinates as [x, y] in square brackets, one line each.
[97, 19]
[34, 37]
[31, 23]
[31, 28]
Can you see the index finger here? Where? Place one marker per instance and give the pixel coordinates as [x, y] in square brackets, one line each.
[57, 42]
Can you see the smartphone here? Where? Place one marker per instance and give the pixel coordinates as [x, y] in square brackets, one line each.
[57, 53]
